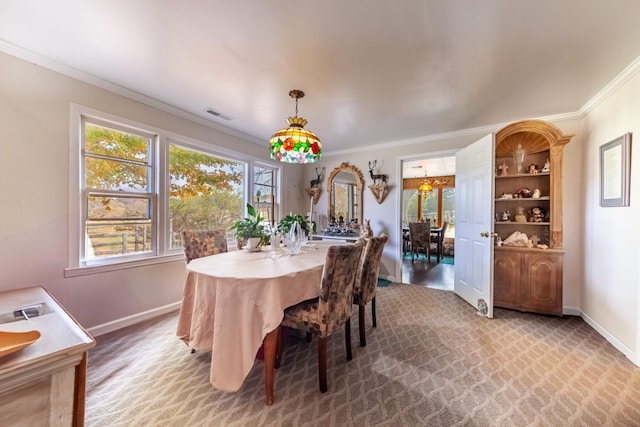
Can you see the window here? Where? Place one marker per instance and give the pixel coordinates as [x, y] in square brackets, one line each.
[135, 189]
[119, 203]
[430, 207]
[264, 190]
[205, 192]
[438, 207]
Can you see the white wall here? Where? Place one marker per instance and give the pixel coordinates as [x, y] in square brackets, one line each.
[34, 186]
[610, 297]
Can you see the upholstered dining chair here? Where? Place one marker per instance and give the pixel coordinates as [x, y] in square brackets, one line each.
[420, 237]
[367, 281]
[324, 315]
[436, 246]
[198, 244]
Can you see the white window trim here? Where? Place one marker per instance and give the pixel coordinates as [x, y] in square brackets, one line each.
[164, 254]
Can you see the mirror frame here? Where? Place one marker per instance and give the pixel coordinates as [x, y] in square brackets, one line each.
[346, 167]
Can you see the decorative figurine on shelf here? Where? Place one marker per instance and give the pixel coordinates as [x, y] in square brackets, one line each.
[503, 169]
[536, 193]
[367, 232]
[376, 177]
[506, 216]
[378, 189]
[520, 217]
[536, 215]
[523, 193]
[316, 182]
[533, 168]
[547, 167]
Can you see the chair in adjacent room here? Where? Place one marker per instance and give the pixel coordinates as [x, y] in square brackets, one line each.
[367, 281]
[406, 241]
[436, 247]
[420, 238]
[198, 244]
[325, 315]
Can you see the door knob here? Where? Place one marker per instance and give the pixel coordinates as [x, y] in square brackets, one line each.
[487, 234]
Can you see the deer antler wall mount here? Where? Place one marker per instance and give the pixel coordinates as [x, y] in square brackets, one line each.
[379, 187]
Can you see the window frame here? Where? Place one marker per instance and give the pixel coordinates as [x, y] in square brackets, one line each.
[147, 193]
[76, 265]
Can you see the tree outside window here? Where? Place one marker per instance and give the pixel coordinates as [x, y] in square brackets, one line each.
[121, 203]
[205, 192]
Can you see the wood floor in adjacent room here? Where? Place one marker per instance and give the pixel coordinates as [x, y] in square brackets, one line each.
[433, 275]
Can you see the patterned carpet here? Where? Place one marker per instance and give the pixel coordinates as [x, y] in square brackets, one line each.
[430, 362]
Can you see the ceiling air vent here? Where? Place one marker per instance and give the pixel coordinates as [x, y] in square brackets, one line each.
[217, 114]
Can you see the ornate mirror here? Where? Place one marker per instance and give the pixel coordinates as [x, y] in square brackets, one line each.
[345, 186]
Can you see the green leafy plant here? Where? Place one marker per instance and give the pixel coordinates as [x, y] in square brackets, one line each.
[250, 226]
[285, 224]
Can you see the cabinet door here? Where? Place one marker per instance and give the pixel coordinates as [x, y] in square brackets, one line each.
[542, 291]
[506, 279]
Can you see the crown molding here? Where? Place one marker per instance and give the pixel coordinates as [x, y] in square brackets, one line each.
[119, 90]
[615, 84]
[630, 71]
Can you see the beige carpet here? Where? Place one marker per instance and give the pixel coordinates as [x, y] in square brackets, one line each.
[430, 362]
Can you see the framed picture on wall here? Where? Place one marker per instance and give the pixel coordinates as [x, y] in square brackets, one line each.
[615, 171]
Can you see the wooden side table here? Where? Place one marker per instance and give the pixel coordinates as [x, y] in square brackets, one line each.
[43, 384]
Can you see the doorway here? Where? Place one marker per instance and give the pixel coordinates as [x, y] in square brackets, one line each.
[437, 204]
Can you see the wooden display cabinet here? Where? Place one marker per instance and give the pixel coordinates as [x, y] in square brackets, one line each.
[529, 278]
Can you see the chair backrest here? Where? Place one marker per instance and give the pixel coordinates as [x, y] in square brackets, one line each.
[420, 234]
[338, 281]
[367, 279]
[445, 224]
[198, 244]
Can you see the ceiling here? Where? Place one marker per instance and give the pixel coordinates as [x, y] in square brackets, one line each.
[373, 72]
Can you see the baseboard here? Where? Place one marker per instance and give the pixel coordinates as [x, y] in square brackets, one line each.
[571, 311]
[630, 354]
[114, 325]
[391, 278]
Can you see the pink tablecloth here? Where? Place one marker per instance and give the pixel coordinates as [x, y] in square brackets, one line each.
[232, 300]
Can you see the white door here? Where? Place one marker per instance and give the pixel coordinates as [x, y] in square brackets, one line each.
[473, 271]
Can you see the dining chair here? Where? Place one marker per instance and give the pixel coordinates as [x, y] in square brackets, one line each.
[198, 244]
[406, 241]
[420, 237]
[436, 246]
[367, 281]
[324, 315]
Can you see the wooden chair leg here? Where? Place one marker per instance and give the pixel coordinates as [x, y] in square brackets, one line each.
[347, 338]
[279, 349]
[322, 363]
[373, 311]
[363, 340]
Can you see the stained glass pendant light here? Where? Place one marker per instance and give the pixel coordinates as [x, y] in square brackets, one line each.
[295, 144]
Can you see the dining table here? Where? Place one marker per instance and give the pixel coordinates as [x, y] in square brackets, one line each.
[233, 303]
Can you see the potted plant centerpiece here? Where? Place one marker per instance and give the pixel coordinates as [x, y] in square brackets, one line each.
[285, 224]
[250, 230]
